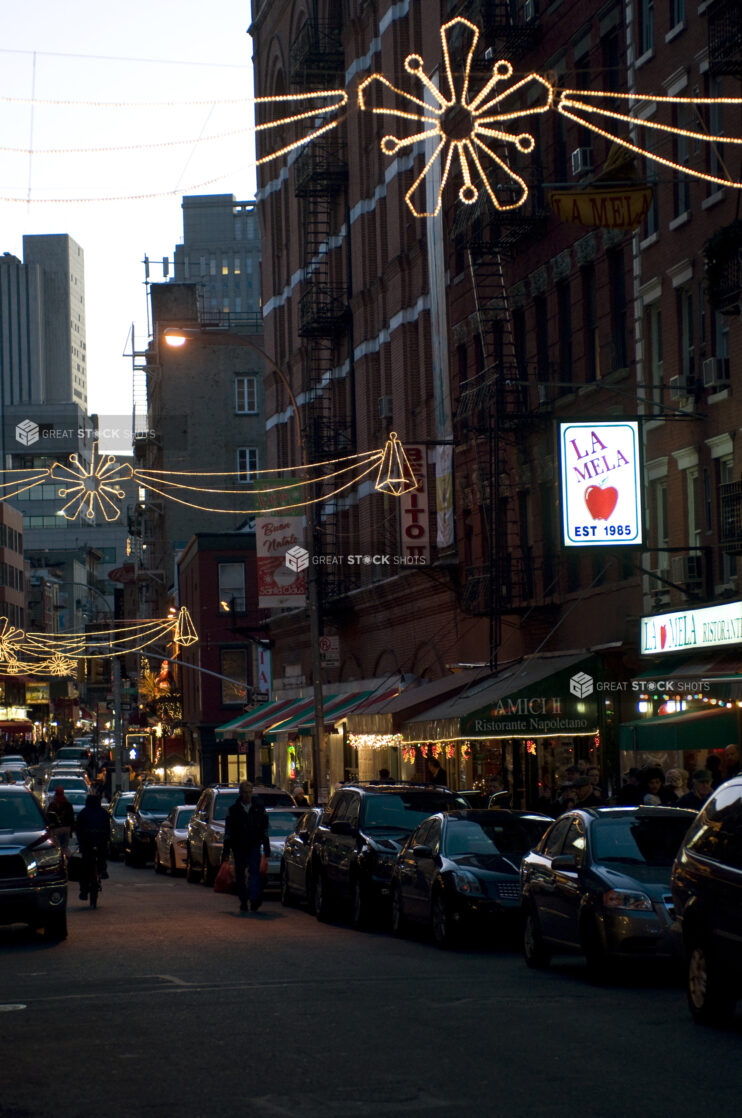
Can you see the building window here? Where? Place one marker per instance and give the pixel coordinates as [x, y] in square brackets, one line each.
[684, 118]
[677, 13]
[728, 562]
[231, 587]
[590, 322]
[686, 338]
[646, 26]
[695, 509]
[542, 336]
[233, 663]
[619, 321]
[564, 313]
[654, 355]
[245, 394]
[247, 464]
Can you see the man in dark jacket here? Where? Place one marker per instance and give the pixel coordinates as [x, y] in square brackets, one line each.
[93, 828]
[60, 817]
[700, 791]
[246, 836]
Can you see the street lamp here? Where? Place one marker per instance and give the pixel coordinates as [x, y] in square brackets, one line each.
[176, 338]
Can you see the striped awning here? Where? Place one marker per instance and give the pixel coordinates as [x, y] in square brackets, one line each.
[334, 707]
[257, 720]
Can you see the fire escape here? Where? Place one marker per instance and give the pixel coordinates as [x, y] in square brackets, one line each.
[320, 173]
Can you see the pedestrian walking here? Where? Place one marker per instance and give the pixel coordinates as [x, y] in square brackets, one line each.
[437, 774]
[60, 817]
[246, 837]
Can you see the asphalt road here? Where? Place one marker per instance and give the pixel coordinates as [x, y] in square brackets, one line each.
[165, 1002]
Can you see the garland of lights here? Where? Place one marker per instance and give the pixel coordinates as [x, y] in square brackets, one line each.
[336, 98]
[57, 653]
[459, 123]
[97, 487]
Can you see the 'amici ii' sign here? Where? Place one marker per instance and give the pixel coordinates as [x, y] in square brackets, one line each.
[707, 627]
[561, 704]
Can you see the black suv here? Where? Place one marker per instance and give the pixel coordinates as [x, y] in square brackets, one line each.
[151, 806]
[359, 837]
[707, 892]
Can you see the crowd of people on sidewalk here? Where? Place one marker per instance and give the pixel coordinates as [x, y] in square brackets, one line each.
[652, 786]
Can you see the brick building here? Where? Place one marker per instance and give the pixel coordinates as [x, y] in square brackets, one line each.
[475, 332]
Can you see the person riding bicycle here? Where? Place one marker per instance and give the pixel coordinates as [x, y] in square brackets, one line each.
[93, 828]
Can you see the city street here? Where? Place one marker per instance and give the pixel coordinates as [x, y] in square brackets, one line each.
[164, 1001]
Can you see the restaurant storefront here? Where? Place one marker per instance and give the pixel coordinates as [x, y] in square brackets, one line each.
[686, 699]
[519, 728]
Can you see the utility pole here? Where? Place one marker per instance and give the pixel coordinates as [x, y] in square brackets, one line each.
[118, 743]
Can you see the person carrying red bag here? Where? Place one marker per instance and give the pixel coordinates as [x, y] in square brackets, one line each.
[246, 838]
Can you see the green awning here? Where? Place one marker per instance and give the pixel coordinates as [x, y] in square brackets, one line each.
[702, 730]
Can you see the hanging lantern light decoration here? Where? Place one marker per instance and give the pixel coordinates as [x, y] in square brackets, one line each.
[395, 474]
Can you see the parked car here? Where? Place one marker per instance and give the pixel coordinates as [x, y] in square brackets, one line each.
[274, 797]
[281, 823]
[707, 892]
[296, 864]
[206, 832]
[117, 809]
[359, 838]
[171, 840]
[598, 883]
[462, 867]
[33, 874]
[150, 806]
[15, 774]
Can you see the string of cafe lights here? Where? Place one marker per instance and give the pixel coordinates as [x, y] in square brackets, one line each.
[97, 487]
[32, 653]
[461, 125]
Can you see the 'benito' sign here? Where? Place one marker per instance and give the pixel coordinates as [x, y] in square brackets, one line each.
[601, 484]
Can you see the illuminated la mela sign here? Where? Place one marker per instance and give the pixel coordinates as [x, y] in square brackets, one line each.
[601, 484]
[692, 628]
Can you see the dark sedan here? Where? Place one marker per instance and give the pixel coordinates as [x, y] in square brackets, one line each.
[462, 866]
[599, 884]
[33, 876]
[296, 862]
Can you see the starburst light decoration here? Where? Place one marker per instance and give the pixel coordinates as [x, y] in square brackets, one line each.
[94, 487]
[462, 125]
[60, 665]
[11, 640]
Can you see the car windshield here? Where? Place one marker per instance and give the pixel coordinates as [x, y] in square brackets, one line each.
[163, 799]
[18, 813]
[183, 818]
[76, 797]
[120, 807]
[282, 822]
[404, 810]
[224, 803]
[638, 840]
[501, 836]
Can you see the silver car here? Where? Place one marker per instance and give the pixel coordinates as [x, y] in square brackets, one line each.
[281, 823]
[117, 810]
[171, 841]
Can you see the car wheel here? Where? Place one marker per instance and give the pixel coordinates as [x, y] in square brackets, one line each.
[321, 899]
[287, 899]
[360, 913]
[535, 951]
[710, 999]
[191, 875]
[444, 929]
[159, 868]
[55, 928]
[399, 920]
[208, 875]
[595, 953]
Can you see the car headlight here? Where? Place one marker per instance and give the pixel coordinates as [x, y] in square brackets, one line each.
[45, 861]
[634, 902]
[468, 884]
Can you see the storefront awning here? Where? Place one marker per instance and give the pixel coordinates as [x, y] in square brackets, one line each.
[540, 696]
[385, 713]
[701, 730]
[257, 720]
[16, 726]
[334, 707]
[717, 676]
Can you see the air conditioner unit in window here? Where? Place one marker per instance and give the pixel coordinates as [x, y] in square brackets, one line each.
[687, 570]
[386, 404]
[582, 161]
[715, 373]
[543, 392]
[680, 388]
[529, 11]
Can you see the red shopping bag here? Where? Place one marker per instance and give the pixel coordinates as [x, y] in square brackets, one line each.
[224, 879]
[263, 865]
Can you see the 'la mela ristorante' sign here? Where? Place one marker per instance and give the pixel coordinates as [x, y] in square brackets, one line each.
[601, 484]
[692, 628]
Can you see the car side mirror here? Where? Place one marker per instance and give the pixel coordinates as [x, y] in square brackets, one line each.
[564, 862]
[422, 852]
[303, 835]
[342, 827]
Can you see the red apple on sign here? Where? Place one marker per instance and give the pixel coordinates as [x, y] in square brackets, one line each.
[663, 636]
[601, 502]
